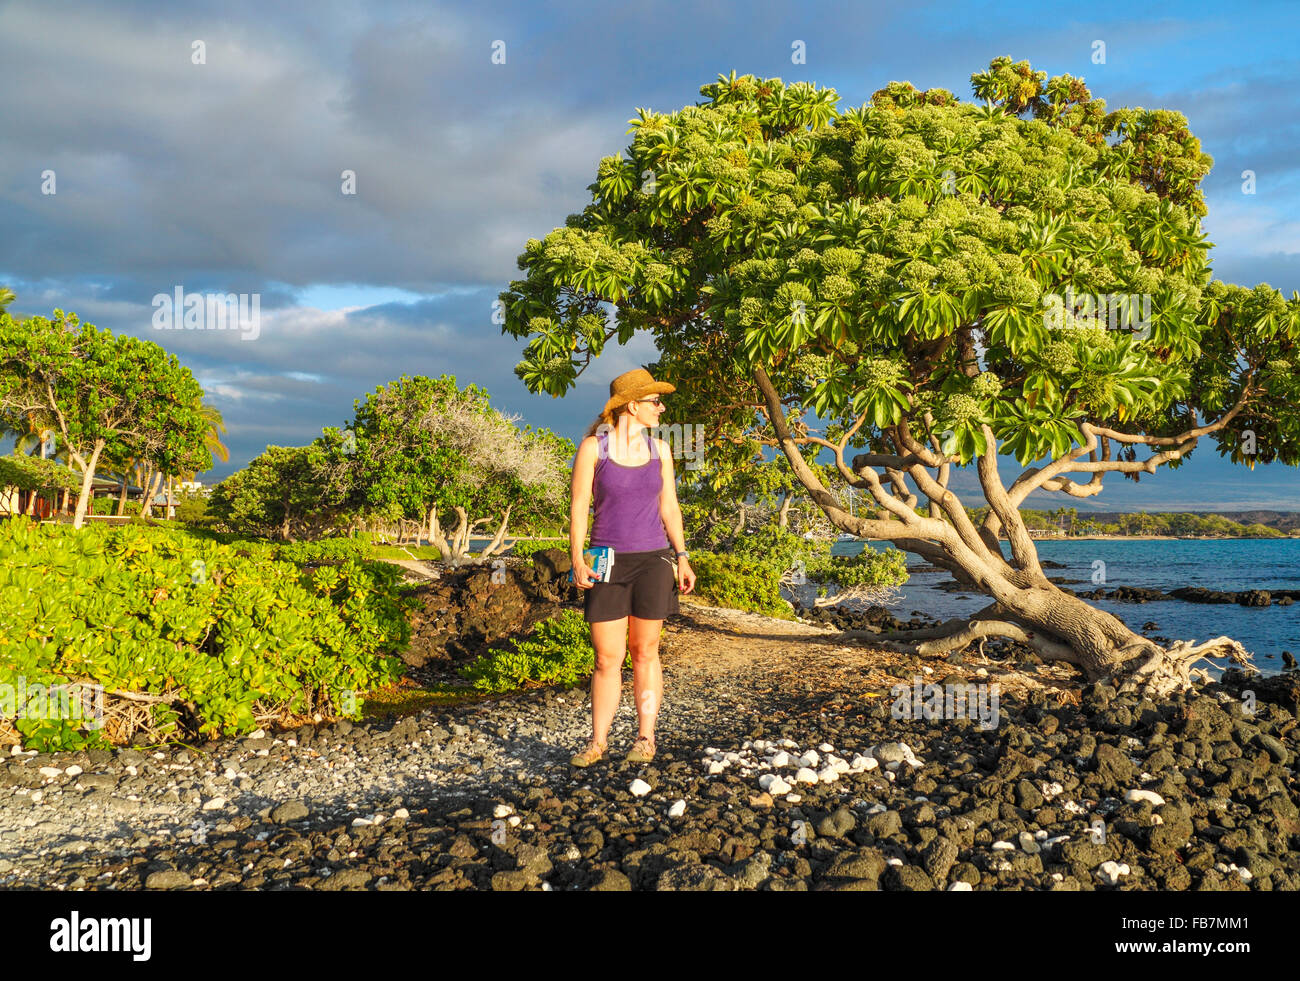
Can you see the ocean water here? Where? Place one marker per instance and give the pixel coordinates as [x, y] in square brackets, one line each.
[1227, 564]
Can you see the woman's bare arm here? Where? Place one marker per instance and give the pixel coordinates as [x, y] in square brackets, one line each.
[584, 471]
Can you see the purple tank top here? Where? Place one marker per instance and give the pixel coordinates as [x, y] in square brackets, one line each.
[627, 502]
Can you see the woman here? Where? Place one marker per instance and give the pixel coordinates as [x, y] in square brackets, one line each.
[631, 477]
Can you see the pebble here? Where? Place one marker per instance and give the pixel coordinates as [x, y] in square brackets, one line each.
[1135, 796]
[639, 787]
[580, 817]
[215, 804]
[805, 775]
[1110, 872]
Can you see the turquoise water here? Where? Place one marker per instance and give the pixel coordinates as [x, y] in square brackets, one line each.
[1227, 564]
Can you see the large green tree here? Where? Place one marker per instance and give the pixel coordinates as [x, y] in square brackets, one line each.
[99, 392]
[899, 270]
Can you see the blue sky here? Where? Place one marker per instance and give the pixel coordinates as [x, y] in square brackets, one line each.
[226, 175]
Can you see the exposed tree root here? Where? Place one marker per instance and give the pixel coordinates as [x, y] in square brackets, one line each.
[1167, 670]
[974, 630]
[1160, 672]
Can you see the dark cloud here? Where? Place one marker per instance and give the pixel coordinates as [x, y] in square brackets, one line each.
[225, 177]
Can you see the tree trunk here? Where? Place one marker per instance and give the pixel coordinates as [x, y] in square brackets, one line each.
[286, 521]
[436, 538]
[783, 516]
[121, 497]
[740, 522]
[87, 477]
[494, 546]
[1028, 607]
[1061, 627]
[146, 507]
[460, 537]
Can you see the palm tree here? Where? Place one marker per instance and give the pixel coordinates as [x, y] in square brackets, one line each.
[212, 438]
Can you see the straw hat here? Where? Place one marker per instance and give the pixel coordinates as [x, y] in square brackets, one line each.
[633, 385]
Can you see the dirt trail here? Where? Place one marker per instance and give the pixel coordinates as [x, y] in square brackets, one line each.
[709, 644]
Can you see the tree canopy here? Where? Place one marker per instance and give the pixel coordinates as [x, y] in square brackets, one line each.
[926, 276]
[424, 447]
[100, 393]
[417, 448]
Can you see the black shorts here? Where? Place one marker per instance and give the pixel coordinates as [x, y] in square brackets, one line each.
[643, 585]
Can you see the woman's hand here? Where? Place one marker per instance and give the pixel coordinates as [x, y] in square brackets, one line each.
[685, 575]
[583, 575]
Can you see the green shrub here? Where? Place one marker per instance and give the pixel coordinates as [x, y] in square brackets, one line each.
[226, 631]
[557, 651]
[872, 569]
[778, 548]
[524, 548]
[192, 509]
[103, 506]
[739, 583]
[324, 550]
[426, 553]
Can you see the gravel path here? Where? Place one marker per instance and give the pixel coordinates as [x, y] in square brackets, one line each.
[1188, 794]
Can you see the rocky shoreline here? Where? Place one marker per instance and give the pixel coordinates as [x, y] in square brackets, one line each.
[781, 767]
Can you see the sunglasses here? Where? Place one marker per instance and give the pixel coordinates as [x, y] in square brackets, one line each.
[654, 401]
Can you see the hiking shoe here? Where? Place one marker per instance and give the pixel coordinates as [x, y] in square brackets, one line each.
[642, 751]
[590, 755]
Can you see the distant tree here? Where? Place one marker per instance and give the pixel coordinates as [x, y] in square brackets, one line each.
[278, 495]
[424, 448]
[98, 391]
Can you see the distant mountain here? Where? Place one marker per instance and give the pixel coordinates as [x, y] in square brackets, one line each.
[1287, 521]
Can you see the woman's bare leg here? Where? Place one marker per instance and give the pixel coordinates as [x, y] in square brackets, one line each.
[609, 637]
[647, 672]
